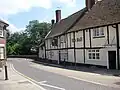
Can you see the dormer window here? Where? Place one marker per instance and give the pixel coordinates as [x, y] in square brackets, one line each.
[98, 32]
[1, 32]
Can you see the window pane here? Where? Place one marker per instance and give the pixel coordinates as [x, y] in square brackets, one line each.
[93, 50]
[97, 50]
[97, 32]
[90, 56]
[89, 51]
[97, 56]
[101, 31]
[93, 55]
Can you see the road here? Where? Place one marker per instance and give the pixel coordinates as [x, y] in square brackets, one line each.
[53, 81]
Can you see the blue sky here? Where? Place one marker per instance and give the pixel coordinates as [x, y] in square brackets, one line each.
[19, 12]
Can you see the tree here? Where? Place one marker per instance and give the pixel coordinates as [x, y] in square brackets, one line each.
[37, 32]
[28, 41]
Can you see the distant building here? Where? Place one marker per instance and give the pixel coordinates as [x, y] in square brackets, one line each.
[3, 27]
[89, 36]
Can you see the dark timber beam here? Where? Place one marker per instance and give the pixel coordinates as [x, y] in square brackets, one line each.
[84, 44]
[117, 38]
[45, 50]
[74, 49]
[90, 38]
[108, 34]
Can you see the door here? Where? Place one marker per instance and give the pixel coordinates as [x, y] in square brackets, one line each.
[112, 59]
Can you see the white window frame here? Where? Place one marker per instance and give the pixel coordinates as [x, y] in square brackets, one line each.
[98, 32]
[94, 54]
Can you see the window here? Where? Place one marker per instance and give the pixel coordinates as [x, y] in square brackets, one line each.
[94, 54]
[1, 32]
[1, 53]
[55, 42]
[79, 39]
[62, 38]
[98, 32]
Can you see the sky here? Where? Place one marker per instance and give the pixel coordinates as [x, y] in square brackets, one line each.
[18, 13]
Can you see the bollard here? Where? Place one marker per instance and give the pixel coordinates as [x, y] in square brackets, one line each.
[6, 74]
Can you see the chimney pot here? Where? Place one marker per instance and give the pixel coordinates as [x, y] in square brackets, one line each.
[52, 21]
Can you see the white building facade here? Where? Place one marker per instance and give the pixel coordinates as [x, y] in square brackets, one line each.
[92, 42]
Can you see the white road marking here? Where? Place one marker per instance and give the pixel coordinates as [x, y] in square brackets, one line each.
[29, 79]
[43, 83]
[52, 86]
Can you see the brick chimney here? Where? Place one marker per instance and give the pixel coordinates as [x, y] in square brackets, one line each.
[58, 15]
[89, 4]
[52, 22]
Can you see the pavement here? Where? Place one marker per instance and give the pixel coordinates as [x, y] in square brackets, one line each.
[16, 81]
[59, 78]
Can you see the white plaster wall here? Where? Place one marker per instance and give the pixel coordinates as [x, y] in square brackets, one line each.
[78, 35]
[68, 36]
[41, 53]
[47, 42]
[72, 43]
[79, 56]
[48, 55]
[98, 42]
[58, 42]
[87, 38]
[71, 55]
[112, 35]
[55, 55]
[63, 55]
[102, 61]
[63, 38]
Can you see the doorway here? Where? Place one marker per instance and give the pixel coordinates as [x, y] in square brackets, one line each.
[112, 59]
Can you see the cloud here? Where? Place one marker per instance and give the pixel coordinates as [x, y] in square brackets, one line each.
[12, 27]
[70, 3]
[8, 7]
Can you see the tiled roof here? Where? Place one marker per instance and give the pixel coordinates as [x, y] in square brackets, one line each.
[103, 13]
[67, 23]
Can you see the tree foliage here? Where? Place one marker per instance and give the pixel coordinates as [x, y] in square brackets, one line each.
[28, 41]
